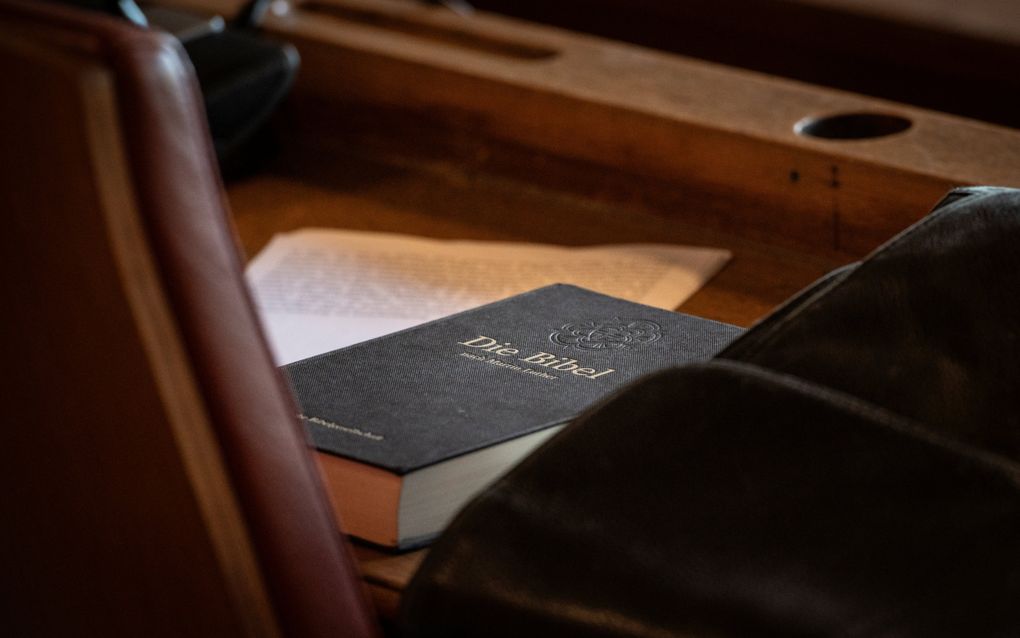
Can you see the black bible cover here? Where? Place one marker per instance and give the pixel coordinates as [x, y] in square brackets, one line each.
[419, 398]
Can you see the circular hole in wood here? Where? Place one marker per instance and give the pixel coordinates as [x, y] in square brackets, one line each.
[852, 126]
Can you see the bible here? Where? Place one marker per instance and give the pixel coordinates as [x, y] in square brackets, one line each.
[409, 426]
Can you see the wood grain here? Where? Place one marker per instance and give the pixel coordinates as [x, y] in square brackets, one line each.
[656, 116]
[720, 139]
[367, 193]
[943, 55]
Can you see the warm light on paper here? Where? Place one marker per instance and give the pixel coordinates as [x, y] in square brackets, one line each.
[322, 289]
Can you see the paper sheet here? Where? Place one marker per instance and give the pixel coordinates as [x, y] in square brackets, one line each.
[321, 289]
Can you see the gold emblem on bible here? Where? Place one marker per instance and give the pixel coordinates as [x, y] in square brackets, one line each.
[609, 334]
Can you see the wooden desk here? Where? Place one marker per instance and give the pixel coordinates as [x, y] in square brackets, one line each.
[944, 55]
[365, 193]
[412, 119]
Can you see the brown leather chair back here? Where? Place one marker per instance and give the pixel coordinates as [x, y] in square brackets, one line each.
[157, 483]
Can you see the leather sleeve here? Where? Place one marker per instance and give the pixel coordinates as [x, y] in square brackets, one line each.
[848, 467]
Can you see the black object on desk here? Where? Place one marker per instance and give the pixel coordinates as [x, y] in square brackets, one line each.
[244, 75]
[848, 467]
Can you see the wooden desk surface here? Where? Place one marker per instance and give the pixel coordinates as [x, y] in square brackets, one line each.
[398, 125]
[365, 193]
[944, 55]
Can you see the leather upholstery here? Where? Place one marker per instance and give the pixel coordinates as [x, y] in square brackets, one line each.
[314, 588]
[932, 317]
